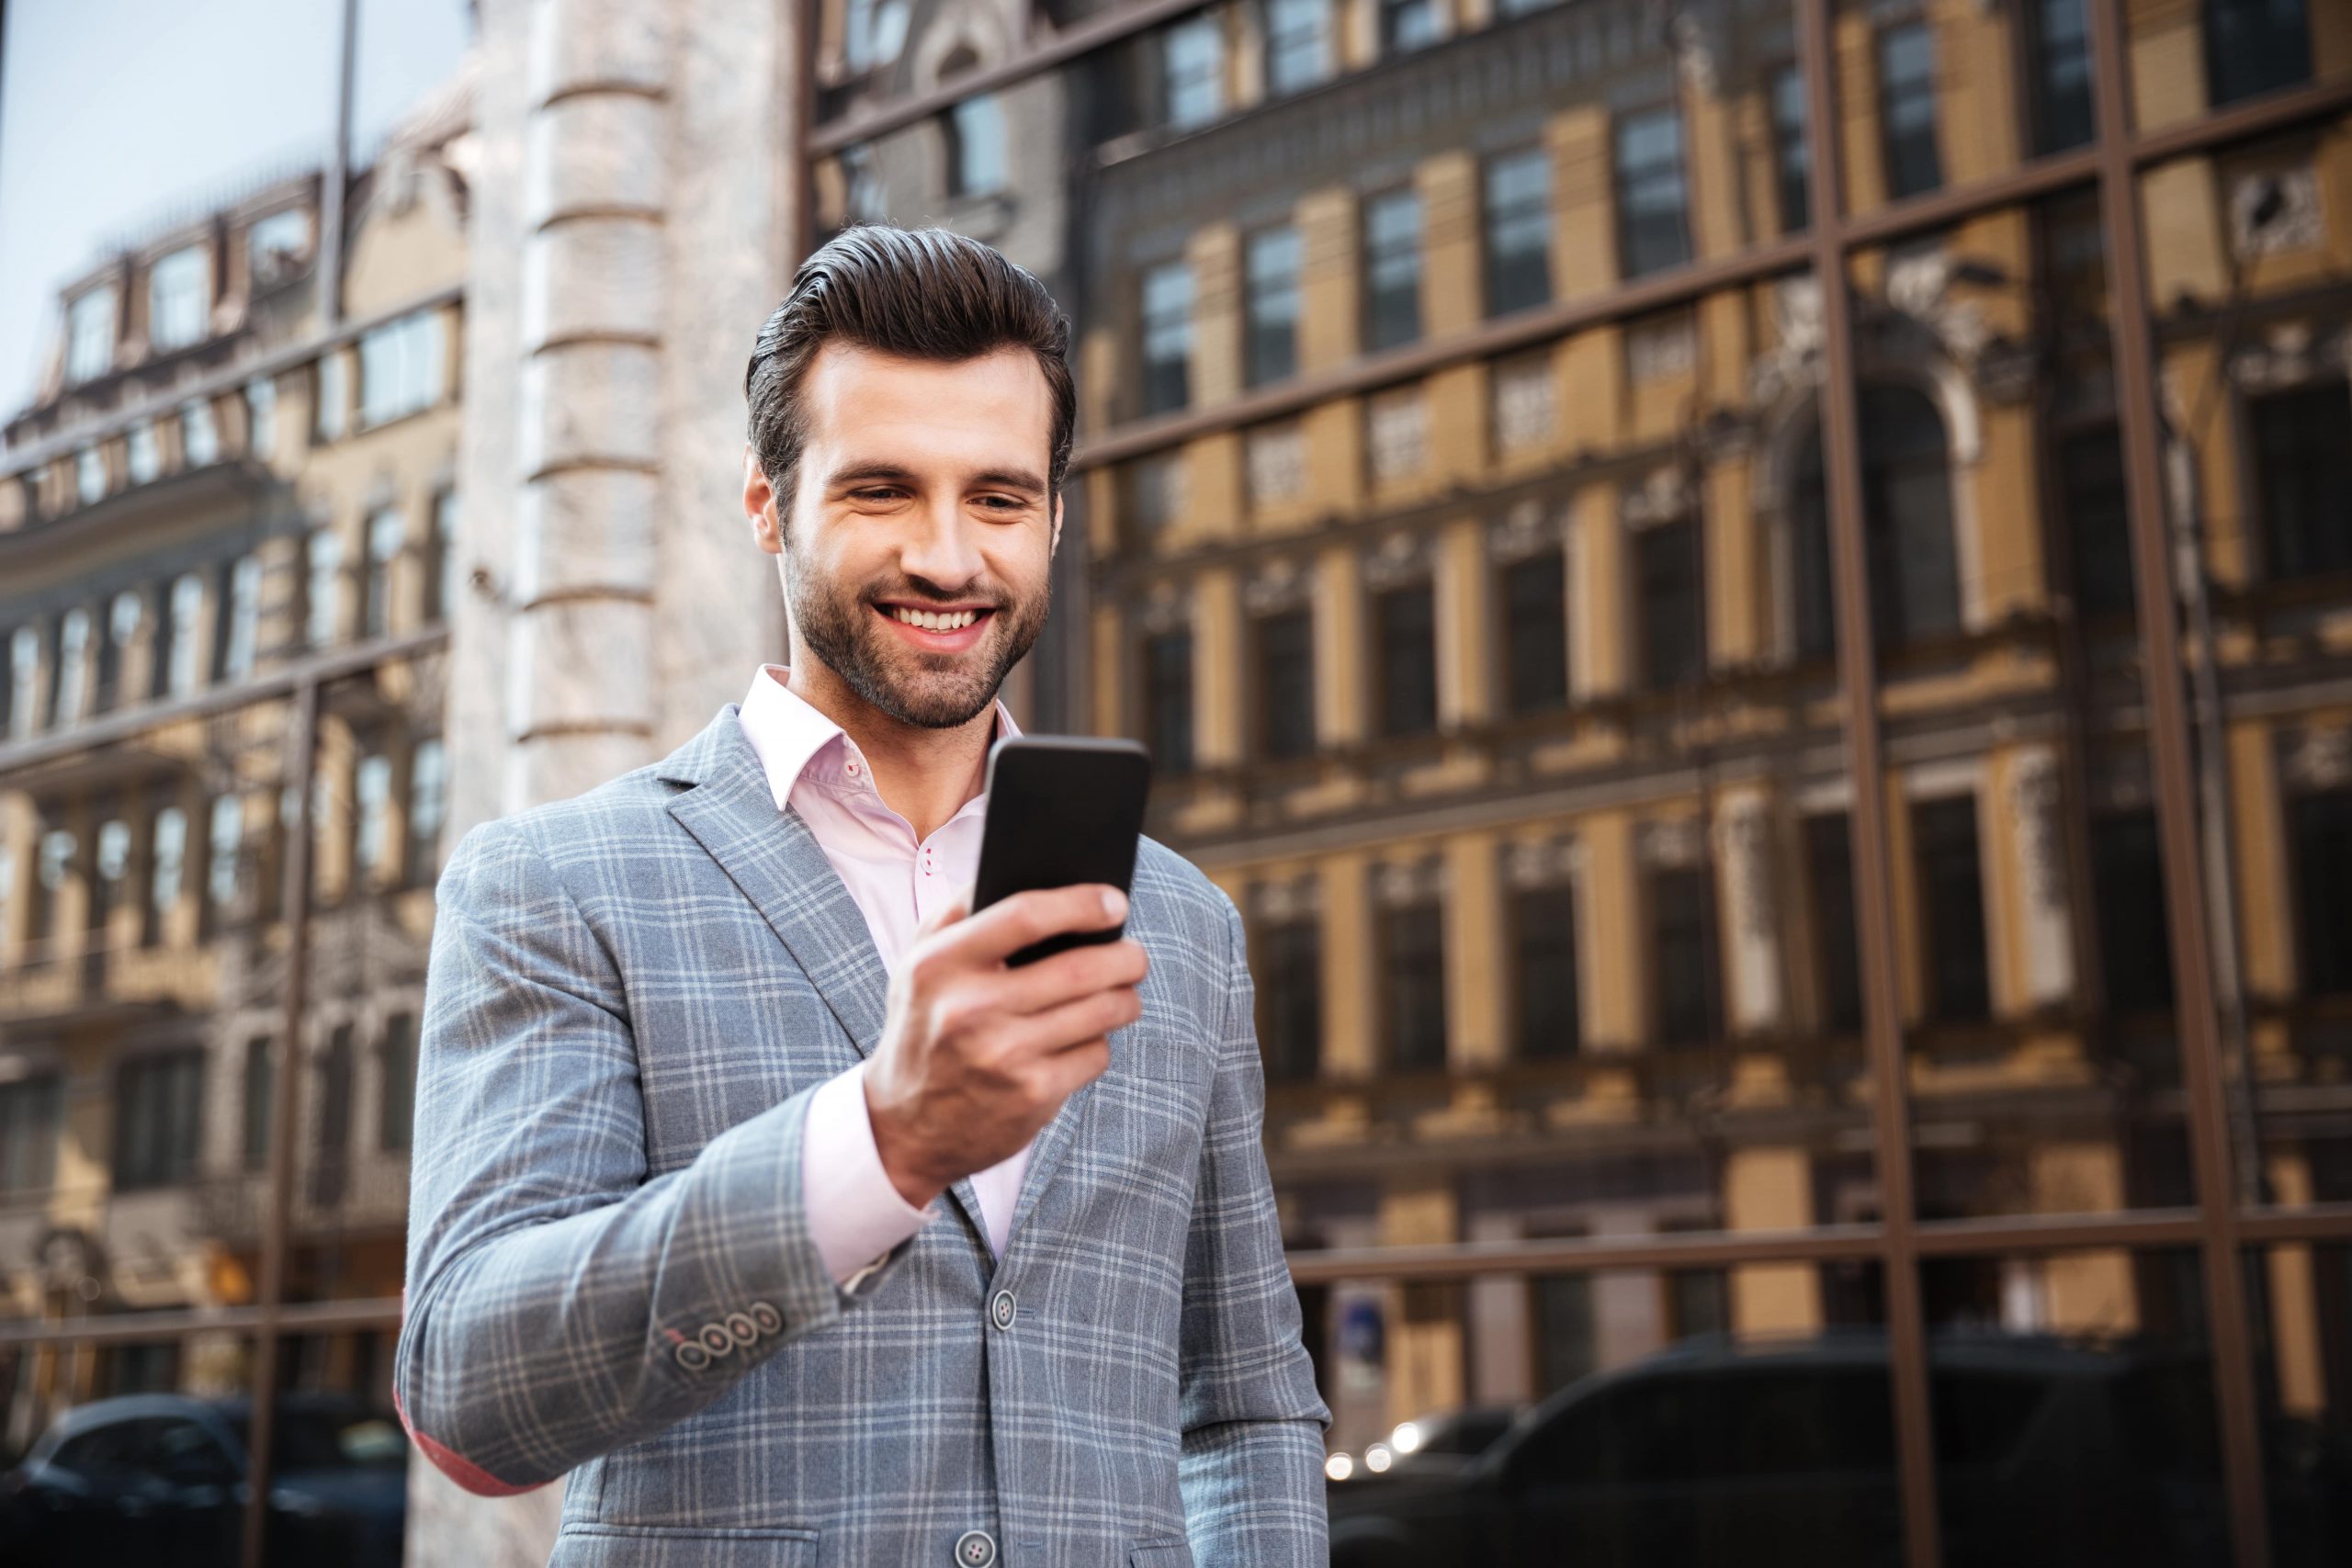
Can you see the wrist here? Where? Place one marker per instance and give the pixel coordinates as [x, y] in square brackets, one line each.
[897, 1160]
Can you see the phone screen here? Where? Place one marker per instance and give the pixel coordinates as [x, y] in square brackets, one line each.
[1062, 809]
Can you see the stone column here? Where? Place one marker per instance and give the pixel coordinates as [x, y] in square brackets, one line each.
[1751, 927]
[628, 238]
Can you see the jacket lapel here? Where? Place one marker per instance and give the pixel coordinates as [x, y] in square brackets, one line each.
[774, 858]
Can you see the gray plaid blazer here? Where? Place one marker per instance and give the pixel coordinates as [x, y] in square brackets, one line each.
[632, 995]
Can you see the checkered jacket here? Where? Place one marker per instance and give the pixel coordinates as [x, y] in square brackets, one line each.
[632, 997]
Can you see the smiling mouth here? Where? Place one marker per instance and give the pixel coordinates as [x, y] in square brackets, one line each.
[936, 620]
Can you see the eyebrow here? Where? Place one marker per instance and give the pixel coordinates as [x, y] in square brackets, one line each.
[866, 472]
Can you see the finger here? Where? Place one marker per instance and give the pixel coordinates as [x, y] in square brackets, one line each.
[1056, 1029]
[1011, 924]
[1067, 976]
[946, 915]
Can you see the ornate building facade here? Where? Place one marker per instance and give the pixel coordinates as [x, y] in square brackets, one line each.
[237, 481]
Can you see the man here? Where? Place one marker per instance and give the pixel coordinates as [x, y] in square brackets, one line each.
[706, 1048]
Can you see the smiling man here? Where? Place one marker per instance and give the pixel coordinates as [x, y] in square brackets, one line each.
[751, 1186]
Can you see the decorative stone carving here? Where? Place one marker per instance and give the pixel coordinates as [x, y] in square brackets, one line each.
[2318, 759]
[1542, 863]
[1288, 898]
[1662, 497]
[1397, 428]
[2033, 807]
[1525, 403]
[1675, 843]
[1276, 462]
[1280, 584]
[1523, 531]
[1793, 363]
[2275, 210]
[1410, 881]
[1743, 840]
[1401, 557]
[1165, 608]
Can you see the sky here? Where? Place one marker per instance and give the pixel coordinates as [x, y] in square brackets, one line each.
[116, 115]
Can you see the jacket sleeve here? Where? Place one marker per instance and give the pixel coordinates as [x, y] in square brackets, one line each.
[1251, 1467]
[559, 1304]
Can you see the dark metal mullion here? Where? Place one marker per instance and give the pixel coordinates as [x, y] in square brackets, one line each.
[294, 899]
[2176, 795]
[1841, 416]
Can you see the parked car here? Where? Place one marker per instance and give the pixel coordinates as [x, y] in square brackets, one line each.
[162, 1478]
[1721, 1455]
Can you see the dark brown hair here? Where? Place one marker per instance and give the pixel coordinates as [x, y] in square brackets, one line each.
[922, 293]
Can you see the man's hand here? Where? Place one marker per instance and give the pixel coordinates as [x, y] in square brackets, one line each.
[976, 1056]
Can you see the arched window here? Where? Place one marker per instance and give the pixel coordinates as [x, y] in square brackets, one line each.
[1906, 523]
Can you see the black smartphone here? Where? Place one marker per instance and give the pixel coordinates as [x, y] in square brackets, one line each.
[1062, 809]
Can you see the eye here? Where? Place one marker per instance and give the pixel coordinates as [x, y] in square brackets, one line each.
[876, 492]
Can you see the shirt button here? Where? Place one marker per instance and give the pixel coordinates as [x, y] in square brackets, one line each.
[975, 1549]
[852, 769]
[1001, 1310]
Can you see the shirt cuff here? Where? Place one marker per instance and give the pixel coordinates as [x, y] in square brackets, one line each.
[855, 1212]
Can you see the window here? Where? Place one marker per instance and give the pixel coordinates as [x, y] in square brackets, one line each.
[875, 31]
[237, 621]
[89, 336]
[166, 869]
[1167, 337]
[428, 809]
[1406, 24]
[1829, 886]
[1652, 231]
[372, 791]
[1544, 993]
[1168, 699]
[2253, 47]
[400, 367]
[1906, 524]
[1524, 394]
[1392, 242]
[54, 860]
[1285, 648]
[111, 864]
[89, 475]
[2062, 76]
[1396, 435]
[176, 671]
[1951, 897]
[1698, 1301]
[119, 628]
[396, 1061]
[1791, 153]
[24, 681]
[70, 667]
[1192, 61]
[1686, 994]
[224, 842]
[1405, 637]
[261, 1086]
[323, 554]
[2320, 828]
[441, 560]
[1411, 938]
[1273, 264]
[1667, 590]
[1299, 43]
[1565, 1328]
[974, 131]
[277, 245]
[1906, 108]
[2091, 501]
[261, 416]
[1290, 999]
[1535, 633]
[2128, 877]
[199, 437]
[334, 1131]
[31, 1110]
[2304, 470]
[385, 528]
[157, 1101]
[330, 380]
[142, 454]
[1519, 230]
[176, 300]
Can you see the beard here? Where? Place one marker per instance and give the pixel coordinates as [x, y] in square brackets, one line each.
[930, 690]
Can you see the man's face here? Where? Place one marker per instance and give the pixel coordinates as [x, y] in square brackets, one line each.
[920, 496]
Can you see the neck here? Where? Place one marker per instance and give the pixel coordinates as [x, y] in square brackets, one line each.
[925, 776]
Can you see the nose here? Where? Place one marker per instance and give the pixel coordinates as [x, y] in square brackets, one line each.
[943, 548]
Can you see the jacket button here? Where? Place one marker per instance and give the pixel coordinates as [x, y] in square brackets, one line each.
[740, 1325]
[765, 1317]
[975, 1548]
[716, 1340]
[693, 1356]
[1001, 1310]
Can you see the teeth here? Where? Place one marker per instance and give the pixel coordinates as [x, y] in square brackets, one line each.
[930, 620]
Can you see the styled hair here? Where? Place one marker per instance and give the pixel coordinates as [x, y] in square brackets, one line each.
[920, 293]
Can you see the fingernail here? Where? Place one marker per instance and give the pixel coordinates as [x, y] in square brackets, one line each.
[1114, 904]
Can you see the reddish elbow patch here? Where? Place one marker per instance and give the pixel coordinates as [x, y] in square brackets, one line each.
[465, 1472]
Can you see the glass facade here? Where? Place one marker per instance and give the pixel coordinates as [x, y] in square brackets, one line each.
[1656, 600]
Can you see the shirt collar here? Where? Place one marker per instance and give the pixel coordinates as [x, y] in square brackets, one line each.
[794, 740]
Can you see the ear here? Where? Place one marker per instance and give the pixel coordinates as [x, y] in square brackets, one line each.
[760, 504]
[1056, 542]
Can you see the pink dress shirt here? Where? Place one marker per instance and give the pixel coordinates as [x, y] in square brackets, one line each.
[855, 1212]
